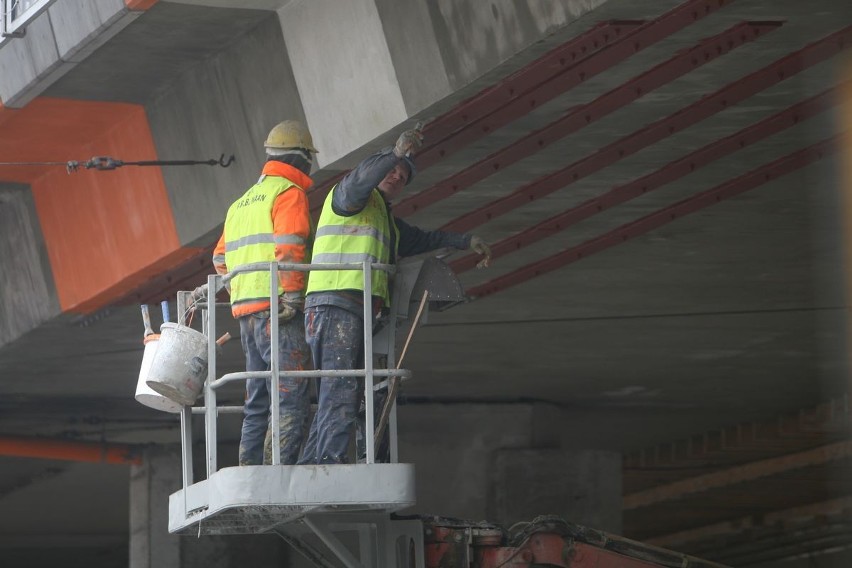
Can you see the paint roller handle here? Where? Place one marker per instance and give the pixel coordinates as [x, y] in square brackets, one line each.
[146, 319]
[222, 340]
[165, 307]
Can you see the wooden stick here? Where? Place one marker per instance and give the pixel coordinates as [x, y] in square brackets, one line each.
[394, 381]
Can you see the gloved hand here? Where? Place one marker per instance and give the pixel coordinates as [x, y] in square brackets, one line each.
[481, 247]
[200, 293]
[409, 141]
[289, 303]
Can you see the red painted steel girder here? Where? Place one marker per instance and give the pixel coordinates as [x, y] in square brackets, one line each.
[648, 34]
[731, 188]
[628, 44]
[707, 106]
[191, 273]
[495, 97]
[547, 71]
[580, 117]
[670, 172]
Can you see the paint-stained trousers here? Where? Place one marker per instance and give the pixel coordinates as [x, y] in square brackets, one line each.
[336, 338]
[293, 394]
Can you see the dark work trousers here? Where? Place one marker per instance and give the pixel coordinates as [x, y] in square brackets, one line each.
[293, 395]
[336, 339]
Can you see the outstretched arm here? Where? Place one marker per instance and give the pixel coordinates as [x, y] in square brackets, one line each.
[414, 240]
[353, 192]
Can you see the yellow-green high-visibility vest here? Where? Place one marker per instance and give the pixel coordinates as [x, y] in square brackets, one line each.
[367, 235]
[249, 238]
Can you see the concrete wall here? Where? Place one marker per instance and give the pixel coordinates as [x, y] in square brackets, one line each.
[473, 37]
[27, 294]
[504, 463]
[227, 105]
[151, 546]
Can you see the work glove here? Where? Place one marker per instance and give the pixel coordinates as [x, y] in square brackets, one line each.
[409, 141]
[479, 246]
[289, 303]
[200, 293]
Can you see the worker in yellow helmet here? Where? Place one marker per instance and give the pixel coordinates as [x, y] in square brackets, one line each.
[356, 224]
[271, 221]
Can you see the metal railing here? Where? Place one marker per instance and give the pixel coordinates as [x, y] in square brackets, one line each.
[214, 283]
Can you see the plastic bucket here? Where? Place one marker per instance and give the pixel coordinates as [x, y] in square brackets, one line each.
[144, 394]
[179, 366]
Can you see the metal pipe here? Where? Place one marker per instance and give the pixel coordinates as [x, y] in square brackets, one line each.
[274, 394]
[368, 361]
[333, 544]
[404, 374]
[185, 413]
[209, 391]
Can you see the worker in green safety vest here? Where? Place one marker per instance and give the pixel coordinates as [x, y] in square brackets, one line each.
[271, 222]
[356, 224]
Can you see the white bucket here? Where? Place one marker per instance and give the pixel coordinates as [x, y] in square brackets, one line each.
[179, 366]
[144, 394]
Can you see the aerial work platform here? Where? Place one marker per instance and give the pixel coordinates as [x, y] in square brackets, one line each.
[294, 501]
[257, 499]
[344, 514]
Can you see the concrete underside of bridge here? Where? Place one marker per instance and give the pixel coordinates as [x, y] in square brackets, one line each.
[696, 331]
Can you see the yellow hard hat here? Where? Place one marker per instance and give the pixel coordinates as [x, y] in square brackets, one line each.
[290, 134]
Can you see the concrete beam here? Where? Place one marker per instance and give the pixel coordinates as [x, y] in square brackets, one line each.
[28, 296]
[344, 72]
[55, 42]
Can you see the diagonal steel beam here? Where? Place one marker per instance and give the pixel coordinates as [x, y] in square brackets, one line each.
[731, 188]
[594, 63]
[670, 172]
[682, 63]
[738, 474]
[544, 78]
[580, 116]
[707, 106]
[544, 70]
[812, 512]
[646, 35]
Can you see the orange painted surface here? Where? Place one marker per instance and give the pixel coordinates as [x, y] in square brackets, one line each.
[5, 113]
[104, 230]
[139, 4]
[68, 450]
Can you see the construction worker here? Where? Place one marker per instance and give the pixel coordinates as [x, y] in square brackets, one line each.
[356, 224]
[271, 221]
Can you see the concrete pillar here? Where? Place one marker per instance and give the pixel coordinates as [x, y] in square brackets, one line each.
[151, 545]
[581, 486]
[507, 463]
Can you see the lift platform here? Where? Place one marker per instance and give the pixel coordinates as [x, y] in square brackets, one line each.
[347, 515]
[294, 501]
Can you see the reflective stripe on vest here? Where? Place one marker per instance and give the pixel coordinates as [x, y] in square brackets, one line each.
[363, 236]
[249, 238]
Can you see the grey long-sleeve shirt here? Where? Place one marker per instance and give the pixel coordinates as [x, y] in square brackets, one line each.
[351, 196]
